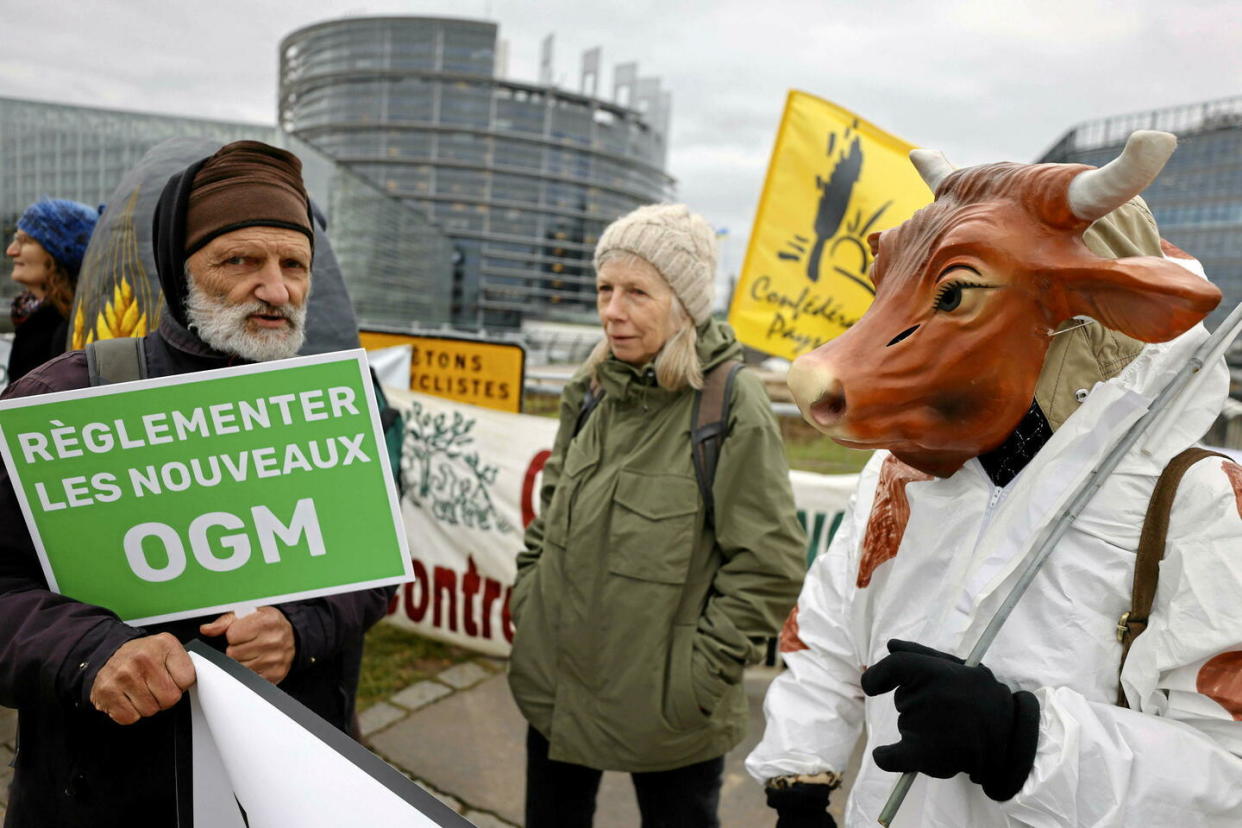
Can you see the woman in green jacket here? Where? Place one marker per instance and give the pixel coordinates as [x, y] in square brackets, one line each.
[635, 610]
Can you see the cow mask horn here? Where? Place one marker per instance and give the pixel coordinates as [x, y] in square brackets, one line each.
[932, 165]
[1096, 193]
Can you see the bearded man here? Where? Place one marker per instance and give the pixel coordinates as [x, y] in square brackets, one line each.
[98, 700]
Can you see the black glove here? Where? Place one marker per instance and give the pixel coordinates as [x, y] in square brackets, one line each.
[801, 805]
[955, 718]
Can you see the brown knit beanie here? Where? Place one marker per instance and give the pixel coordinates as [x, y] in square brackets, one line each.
[676, 242]
[246, 184]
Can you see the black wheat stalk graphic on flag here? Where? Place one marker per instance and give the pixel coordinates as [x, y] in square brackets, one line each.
[834, 200]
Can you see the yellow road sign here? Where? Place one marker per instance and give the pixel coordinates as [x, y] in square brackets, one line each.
[489, 374]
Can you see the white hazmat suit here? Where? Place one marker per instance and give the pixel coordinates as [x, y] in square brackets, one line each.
[1173, 759]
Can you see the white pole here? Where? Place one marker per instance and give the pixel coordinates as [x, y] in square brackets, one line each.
[1211, 349]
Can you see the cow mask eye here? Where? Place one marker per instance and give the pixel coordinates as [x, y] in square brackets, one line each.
[949, 297]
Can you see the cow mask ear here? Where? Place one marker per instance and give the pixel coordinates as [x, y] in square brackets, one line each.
[1145, 297]
[873, 241]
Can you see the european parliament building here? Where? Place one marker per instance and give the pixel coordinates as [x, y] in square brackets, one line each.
[1197, 200]
[522, 177]
[453, 196]
[396, 263]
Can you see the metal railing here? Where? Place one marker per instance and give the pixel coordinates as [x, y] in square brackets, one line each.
[552, 382]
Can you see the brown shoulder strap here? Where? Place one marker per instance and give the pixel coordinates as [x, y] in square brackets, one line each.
[594, 393]
[710, 424]
[713, 398]
[1151, 551]
[109, 361]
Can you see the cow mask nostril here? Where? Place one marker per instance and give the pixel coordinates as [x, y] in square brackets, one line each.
[830, 407]
[901, 336]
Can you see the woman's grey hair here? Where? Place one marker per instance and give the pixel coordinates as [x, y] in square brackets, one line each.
[677, 364]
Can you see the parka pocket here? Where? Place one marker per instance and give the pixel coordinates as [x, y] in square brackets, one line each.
[681, 704]
[517, 597]
[581, 455]
[580, 458]
[653, 527]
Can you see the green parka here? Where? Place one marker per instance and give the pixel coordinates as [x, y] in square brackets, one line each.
[634, 619]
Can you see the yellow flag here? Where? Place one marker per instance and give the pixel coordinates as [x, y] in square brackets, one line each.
[833, 179]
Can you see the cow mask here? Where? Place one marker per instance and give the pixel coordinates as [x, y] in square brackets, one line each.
[944, 364]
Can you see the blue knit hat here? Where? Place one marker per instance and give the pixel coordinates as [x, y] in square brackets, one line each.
[63, 227]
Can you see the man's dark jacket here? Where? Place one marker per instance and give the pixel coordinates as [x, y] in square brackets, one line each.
[74, 766]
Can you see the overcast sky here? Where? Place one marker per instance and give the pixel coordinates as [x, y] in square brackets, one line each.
[983, 81]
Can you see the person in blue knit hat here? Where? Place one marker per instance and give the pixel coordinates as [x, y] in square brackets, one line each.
[47, 253]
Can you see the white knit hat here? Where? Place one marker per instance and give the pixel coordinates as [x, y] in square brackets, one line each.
[676, 242]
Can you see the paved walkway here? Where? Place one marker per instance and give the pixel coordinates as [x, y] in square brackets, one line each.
[461, 737]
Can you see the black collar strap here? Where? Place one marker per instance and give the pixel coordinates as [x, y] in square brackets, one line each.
[1003, 463]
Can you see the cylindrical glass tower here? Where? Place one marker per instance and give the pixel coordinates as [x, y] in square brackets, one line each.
[1197, 198]
[523, 178]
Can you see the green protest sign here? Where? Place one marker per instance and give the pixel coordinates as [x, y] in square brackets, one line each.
[187, 495]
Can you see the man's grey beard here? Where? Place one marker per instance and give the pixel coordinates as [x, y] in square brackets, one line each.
[223, 326]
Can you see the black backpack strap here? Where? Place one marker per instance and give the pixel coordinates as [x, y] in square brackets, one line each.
[1150, 552]
[590, 401]
[711, 425]
[110, 361]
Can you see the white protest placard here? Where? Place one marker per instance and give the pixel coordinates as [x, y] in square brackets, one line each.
[257, 748]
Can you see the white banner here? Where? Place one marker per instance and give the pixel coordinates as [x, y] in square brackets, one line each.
[255, 748]
[392, 365]
[471, 479]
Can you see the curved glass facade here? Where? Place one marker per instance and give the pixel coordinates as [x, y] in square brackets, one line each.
[522, 178]
[1197, 199]
[396, 265]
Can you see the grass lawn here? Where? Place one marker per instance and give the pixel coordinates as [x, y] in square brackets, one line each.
[805, 448]
[394, 658]
[808, 450]
[541, 405]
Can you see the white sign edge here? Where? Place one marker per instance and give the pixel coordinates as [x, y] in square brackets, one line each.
[202, 612]
[390, 485]
[356, 354]
[31, 526]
